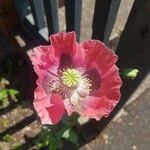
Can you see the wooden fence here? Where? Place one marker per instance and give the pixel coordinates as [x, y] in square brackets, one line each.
[45, 15]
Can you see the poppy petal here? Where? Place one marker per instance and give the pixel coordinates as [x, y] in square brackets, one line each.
[100, 54]
[63, 43]
[43, 59]
[96, 107]
[49, 109]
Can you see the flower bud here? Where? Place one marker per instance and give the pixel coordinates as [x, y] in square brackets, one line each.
[130, 73]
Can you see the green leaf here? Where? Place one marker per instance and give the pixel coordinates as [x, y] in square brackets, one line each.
[66, 134]
[71, 136]
[13, 92]
[3, 94]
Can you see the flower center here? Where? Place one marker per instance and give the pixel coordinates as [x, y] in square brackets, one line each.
[71, 77]
[73, 85]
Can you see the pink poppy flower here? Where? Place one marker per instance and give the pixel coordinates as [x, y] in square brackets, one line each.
[75, 77]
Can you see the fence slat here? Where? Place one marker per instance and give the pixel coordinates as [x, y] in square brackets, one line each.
[113, 11]
[38, 13]
[73, 16]
[100, 18]
[51, 12]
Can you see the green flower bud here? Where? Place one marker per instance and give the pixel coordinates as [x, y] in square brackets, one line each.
[130, 73]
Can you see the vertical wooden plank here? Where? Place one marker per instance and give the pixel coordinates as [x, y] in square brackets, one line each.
[51, 12]
[100, 18]
[73, 16]
[38, 13]
[113, 11]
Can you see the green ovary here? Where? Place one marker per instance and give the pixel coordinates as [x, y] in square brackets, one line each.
[71, 77]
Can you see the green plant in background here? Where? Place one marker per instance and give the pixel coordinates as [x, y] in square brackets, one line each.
[5, 92]
[4, 121]
[7, 138]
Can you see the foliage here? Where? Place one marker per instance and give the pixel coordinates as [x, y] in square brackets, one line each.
[7, 138]
[52, 137]
[4, 121]
[5, 93]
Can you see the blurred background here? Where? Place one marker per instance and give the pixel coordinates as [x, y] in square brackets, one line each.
[123, 25]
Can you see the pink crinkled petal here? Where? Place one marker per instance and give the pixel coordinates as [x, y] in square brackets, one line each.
[100, 54]
[49, 109]
[80, 57]
[110, 84]
[63, 43]
[96, 107]
[39, 92]
[43, 59]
